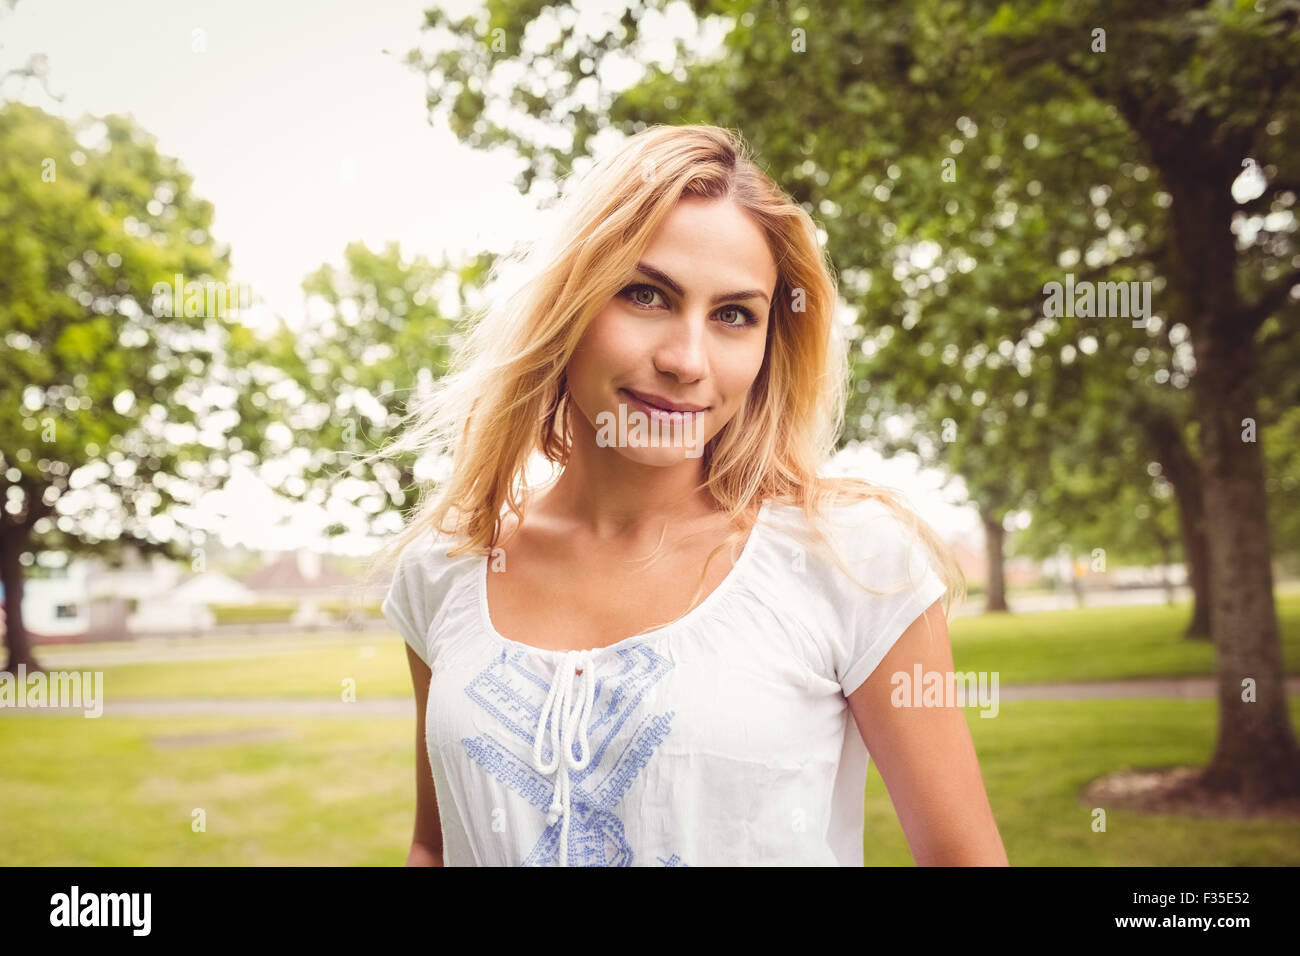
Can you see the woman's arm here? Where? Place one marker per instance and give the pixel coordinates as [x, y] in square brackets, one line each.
[926, 757]
[426, 843]
[421, 855]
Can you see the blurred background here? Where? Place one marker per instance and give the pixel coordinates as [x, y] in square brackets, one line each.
[237, 239]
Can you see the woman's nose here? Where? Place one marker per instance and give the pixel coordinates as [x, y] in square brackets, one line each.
[683, 350]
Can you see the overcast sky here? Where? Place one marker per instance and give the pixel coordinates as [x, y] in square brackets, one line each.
[299, 122]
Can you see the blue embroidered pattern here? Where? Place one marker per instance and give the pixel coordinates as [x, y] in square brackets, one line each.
[514, 696]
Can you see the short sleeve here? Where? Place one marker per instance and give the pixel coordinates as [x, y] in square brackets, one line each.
[886, 556]
[421, 581]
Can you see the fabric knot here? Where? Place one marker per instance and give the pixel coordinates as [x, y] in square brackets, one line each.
[568, 710]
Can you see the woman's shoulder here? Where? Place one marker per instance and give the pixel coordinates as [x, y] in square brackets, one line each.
[425, 556]
[867, 534]
[424, 576]
[858, 521]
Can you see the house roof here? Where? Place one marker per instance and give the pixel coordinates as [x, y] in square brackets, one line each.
[285, 574]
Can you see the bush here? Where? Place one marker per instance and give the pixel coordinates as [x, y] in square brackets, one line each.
[254, 613]
[342, 610]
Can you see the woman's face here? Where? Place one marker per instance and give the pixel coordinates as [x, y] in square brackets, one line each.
[689, 328]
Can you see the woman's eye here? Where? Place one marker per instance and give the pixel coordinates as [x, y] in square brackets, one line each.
[637, 290]
[740, 314]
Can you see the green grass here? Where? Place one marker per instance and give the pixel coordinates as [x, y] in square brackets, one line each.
[341, 791]
[1036, 756]
[102, 792]
[1094, 644]
[377, 666]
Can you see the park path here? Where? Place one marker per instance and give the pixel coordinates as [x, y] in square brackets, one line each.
[1195, 688]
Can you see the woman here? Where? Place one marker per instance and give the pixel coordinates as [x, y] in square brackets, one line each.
[595, 685]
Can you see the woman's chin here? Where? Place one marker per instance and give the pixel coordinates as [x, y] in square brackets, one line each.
[656, 457]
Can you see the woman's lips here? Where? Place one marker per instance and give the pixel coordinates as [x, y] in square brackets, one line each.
[654, 410]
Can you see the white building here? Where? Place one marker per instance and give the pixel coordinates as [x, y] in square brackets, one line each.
[185, 606]
[55, 604]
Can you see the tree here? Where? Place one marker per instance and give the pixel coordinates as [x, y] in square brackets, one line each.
[379, 331]
[1205, 87]
[118, 400]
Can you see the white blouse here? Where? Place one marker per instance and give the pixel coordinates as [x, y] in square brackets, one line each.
[723, 738]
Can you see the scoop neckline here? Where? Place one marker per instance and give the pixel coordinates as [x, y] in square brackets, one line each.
[485, 616]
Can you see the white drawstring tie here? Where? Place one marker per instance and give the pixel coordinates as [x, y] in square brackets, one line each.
[568, 713]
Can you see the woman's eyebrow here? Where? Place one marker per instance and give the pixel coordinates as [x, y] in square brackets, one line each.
[667, 280]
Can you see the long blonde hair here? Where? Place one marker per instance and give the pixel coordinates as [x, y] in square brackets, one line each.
[505, 395]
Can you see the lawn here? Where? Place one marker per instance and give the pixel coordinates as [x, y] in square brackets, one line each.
[1036, 756]
[302, 791]
[1095, 644]
[123, 791]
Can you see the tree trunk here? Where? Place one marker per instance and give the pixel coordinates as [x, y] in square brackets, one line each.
[1183, 473]
[1165, 560]
[1256, 753]
[1196, 550]
[12, 545]
[994, 535]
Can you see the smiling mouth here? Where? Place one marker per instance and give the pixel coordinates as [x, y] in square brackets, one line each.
[657, 410]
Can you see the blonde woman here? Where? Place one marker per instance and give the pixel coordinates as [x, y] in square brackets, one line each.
[677, 651]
